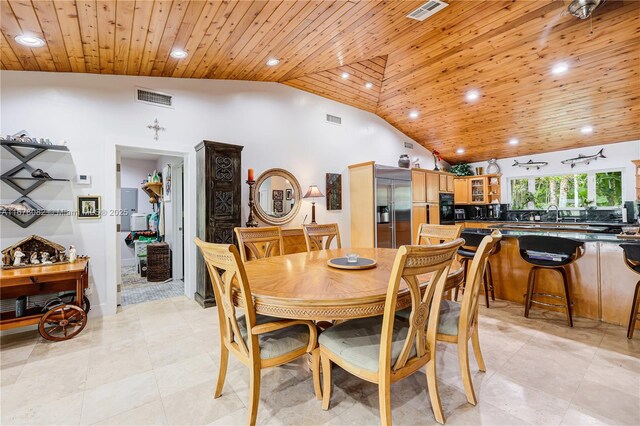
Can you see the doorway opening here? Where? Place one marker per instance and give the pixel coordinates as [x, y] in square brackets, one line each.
[150, 235]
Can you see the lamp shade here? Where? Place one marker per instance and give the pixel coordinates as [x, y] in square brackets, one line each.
[313, 192]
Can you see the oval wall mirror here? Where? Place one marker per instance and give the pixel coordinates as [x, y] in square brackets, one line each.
[277, 197]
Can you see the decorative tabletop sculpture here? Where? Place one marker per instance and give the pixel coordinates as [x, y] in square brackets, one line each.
[493, 167]
[17, 257]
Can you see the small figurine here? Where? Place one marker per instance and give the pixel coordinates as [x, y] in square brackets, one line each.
[6, 259]
[45, 257]
[73, 256]
[17, 257]
[34, 258]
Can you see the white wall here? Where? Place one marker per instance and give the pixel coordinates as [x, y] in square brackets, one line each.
[279, 127]
[133, 172]
[619, 156]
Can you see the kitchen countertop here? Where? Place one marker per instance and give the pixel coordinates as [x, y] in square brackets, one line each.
[578, 236]
[528, 222]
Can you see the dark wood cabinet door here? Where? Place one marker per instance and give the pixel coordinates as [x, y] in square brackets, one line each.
[219, 203]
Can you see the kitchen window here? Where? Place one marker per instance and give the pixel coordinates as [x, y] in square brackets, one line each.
[569, 191]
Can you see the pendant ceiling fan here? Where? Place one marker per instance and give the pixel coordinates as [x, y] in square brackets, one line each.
[583, 8]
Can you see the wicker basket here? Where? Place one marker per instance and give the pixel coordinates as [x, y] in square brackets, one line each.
[158, 262]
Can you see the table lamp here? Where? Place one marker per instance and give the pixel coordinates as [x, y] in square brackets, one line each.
[313, 192]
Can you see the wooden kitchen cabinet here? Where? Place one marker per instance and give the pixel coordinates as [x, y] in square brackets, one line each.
[419, 215]
[419, 186]
[433, 187]
[461, 190]
[446, 183]
[443, 183]
[434, 214]
[478, 192]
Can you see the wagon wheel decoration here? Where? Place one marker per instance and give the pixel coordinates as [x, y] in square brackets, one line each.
[62, 322]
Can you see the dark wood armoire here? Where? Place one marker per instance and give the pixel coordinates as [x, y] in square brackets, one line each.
[218, 203]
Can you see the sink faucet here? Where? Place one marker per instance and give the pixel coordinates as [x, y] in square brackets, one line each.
[557, 212]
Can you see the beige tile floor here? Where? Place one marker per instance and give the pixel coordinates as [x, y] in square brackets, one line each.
[156, 363]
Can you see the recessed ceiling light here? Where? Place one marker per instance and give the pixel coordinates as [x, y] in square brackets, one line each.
[586, 130]
[514, 141]
[273, 62]
[472, 95]
[560, 68]
[414, 114]
[179, 54]
[345, 75]
[30, 41]
[460, 150]
[368, 85]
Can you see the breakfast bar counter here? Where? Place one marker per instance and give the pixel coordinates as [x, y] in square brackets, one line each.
[600, 283]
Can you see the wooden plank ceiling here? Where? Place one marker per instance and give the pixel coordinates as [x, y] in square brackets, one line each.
[504, 49]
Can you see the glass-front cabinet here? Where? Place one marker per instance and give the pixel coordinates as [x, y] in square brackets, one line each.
[478, 190]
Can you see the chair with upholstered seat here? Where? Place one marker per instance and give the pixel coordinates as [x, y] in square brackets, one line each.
[437, 234]
[314, 235]
[632, 260]
[257, 341]
[553, 253]
[257, 243]
[472, 241]
[459, 321]
[384, 350]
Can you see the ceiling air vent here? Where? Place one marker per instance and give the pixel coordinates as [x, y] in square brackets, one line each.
[408, 145]
[427, 9]
[334, 119]
[154, 98]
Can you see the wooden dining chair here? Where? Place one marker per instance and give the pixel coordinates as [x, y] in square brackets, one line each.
[315, 234]
[459, 321]
[384, 350]
[256, 243]
[437, 234]
[258, 341]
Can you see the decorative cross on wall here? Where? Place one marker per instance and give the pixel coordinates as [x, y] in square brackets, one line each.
[157, 128]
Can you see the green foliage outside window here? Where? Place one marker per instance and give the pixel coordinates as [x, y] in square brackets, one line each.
[608, 189]
[568, 191]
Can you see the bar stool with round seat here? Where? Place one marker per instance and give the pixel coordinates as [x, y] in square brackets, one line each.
[632, 259]
[555, 253]
[466, 253]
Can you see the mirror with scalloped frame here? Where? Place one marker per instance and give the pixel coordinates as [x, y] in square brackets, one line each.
[277, 197]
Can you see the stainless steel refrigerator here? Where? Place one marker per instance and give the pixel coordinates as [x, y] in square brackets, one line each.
[393, 207]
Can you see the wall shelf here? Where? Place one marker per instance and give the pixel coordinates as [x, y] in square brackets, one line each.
[35, 211]
[153, 190]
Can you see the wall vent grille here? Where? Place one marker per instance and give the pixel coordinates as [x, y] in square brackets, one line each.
[334, 119]
[408, 145]
[429, 8]
[154, 98]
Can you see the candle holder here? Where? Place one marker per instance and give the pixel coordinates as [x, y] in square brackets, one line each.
[251, 220]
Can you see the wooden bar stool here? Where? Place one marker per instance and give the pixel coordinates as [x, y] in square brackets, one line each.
[632, 259]
[549, 253]
[466, 253]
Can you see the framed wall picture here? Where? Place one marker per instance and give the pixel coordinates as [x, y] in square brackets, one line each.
[278, 206]
[88, 207]
[166, 183]
[334, 191]
[278, 194]
[289, 194]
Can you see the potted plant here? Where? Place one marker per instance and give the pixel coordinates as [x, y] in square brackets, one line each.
[462, 169]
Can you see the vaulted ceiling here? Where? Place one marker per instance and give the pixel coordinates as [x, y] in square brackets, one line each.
[505, 50]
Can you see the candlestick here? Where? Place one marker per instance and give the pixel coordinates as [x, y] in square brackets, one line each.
[250, 175]
[251, 220]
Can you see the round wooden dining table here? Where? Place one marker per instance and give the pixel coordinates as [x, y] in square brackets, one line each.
[303, 286]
